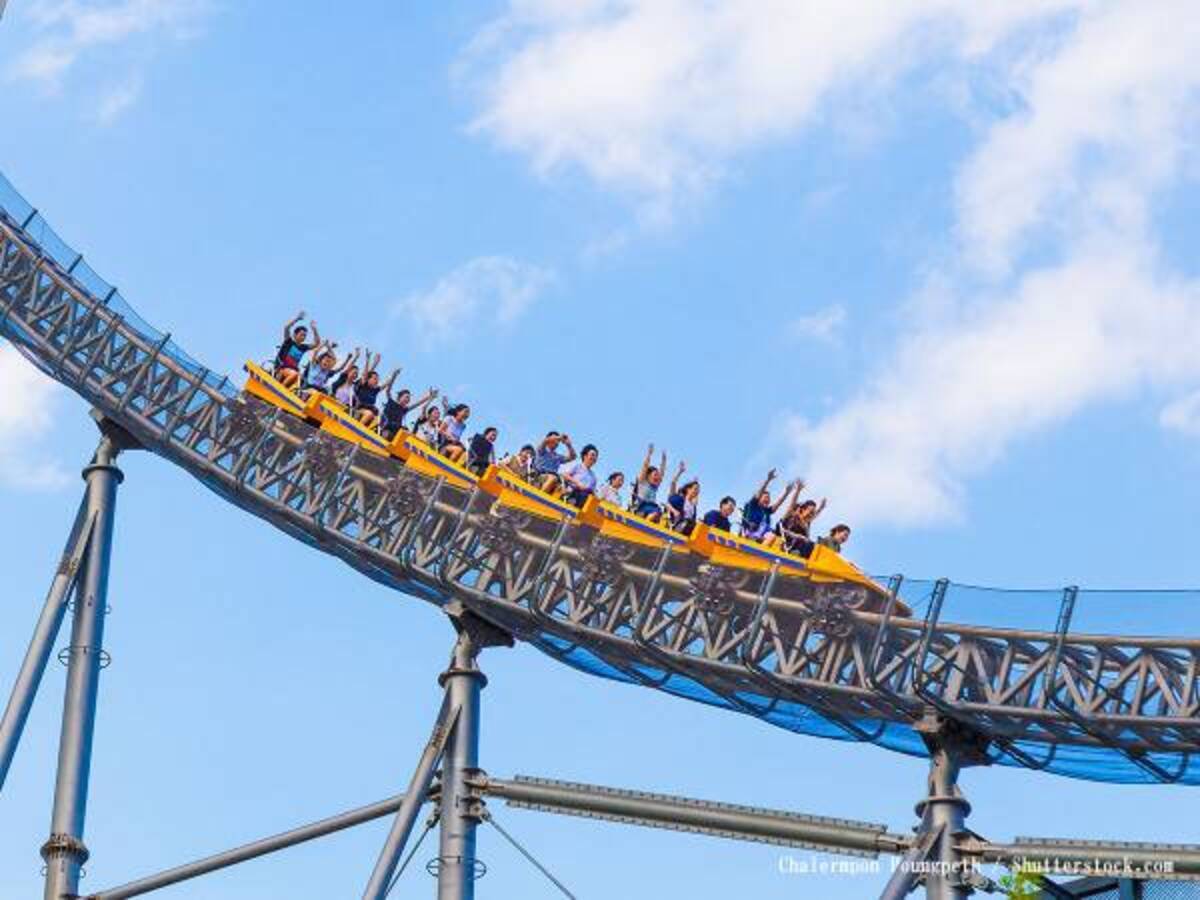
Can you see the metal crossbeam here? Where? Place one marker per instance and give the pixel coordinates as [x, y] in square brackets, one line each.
[253, 850]
[727, 820]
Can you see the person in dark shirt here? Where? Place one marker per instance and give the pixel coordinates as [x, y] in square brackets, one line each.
[396, 408]
[366, 399]
[482, 452]
[682, 505]
[719, 518]
[291, 352]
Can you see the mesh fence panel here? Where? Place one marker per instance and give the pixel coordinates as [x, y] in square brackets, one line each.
[1170, 890]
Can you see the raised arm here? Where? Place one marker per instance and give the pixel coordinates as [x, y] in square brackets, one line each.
[675, 480]
[766, 483]
[423, 408]
[820, 507]
[391, 379]
[645, 463]
[429, 395]
[571, 454]
[287, 329]
[316, 334]
[791, 492]
[348, 361]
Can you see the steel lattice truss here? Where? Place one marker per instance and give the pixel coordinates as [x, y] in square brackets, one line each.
[782, 649]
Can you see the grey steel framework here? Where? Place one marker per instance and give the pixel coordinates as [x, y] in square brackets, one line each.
[765, 645]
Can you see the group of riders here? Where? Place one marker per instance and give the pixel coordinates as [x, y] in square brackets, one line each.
[553, 465]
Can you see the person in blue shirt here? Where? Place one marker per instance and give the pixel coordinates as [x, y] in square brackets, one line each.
[547, 460]
[319, 374]
[757, 513]
[719, 518]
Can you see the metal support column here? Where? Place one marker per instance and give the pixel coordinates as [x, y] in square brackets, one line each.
[65, 852]
[944, 812]
[461, 805]
[455, 741]
[949, 875]
[48, 626]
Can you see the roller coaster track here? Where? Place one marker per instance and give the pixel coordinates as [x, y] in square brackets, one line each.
[1106, 707]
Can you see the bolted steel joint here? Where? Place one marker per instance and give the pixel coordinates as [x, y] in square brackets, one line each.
[59, 845]
[471, 802]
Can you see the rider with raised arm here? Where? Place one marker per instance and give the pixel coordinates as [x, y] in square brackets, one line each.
[682, 502]
[324, 367]
[343, 385]
[292, 350]
[757, 513]
[644, 500]
[397, 407]
[793, 530]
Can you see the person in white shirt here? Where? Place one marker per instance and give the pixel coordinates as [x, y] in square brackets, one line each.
[610, 491]
[579, 481]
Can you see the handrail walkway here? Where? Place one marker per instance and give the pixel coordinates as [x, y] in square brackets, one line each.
[1074, 694]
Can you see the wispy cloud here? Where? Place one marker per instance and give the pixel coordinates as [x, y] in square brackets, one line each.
[493, 290]
[28, 402]
[823, 325]
[117, 99]
[1183, 415]
[654, 97]
[66, 32]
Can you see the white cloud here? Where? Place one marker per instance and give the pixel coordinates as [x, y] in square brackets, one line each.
[1183, 415]
[1054, 293]
[117, 99]
[493, 289]
[28, 401]
[1105, 124]
[822, 325]
[65, 32]
[654, 96]
[958, 393]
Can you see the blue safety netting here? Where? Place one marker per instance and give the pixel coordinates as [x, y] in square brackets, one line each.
[71, 262]
[1171, 614]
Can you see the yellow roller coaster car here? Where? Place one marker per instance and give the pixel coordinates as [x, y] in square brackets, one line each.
[263, 385]
[719, 547]
[516, 493]
[609, 519]
[424, 459]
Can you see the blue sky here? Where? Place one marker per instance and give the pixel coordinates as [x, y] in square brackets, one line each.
[937, 260]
